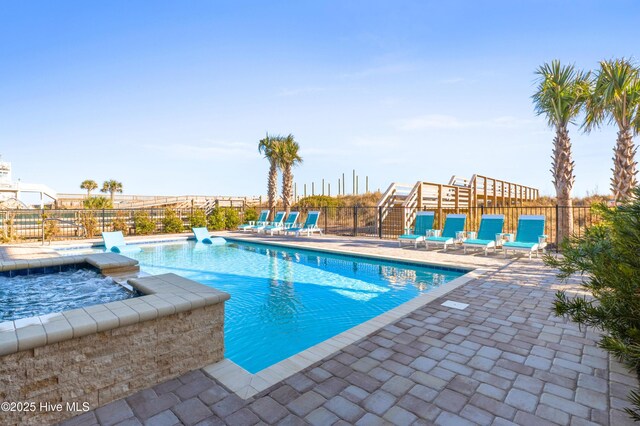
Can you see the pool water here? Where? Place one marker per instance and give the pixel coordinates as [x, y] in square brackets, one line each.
[284, 301]
[25, 296]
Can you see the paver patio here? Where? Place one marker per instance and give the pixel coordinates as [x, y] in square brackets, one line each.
[505, 359]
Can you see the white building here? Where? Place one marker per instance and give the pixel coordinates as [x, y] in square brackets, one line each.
[10, 190]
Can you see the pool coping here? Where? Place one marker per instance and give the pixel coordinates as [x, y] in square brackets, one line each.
[163, 295]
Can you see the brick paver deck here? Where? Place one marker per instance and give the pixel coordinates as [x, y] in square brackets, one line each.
[505, 359]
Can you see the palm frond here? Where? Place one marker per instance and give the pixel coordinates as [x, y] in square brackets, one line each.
[615, 97]
[561, 92]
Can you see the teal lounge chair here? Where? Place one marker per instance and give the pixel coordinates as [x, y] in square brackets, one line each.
[276, 220]
[289, 223]
[422, 224]
[264, 215]
[529, 236]
[203, 236]
[490, 225]
[453, 224]
[114, 242]
[310, 225]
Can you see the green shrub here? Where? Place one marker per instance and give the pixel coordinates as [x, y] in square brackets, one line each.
[232, 218]
[223, 218]
[217, 219]
[89, 222]
[9, 232]
[97, 203]
[171, 222]
[119, 223]
[606, 257]
[143, 223]
[250, 214]
[51, 228]
[319, 201]
[198, 219]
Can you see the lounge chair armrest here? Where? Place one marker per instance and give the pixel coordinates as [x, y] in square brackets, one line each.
[505, 237]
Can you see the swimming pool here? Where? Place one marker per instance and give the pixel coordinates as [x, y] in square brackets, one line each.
[283, 300]
[25, 296]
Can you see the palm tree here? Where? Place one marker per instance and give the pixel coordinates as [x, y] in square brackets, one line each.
[561, 92]
[89, 185]
[287, 157]
[111, 186]
[616, 98]
[268, 147]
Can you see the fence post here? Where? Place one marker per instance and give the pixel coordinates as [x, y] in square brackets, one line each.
[380, 222]
[355, 221]
[326, 212]
[103, 220]
[557, 228]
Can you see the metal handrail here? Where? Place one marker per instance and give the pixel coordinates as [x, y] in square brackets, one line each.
[66, 222]
[411, 205]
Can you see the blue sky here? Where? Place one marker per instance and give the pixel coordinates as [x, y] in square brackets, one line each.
[172, 97]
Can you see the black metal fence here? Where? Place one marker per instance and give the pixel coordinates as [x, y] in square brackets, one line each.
[86, 223]
[345, 221]
[374, 222]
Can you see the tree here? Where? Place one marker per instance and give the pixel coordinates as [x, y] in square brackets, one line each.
[267, 147]
[89, 185]
[616, 98]
[99, 202]
[287, 157]
[606, 256]
[560, 95]
[112, 186]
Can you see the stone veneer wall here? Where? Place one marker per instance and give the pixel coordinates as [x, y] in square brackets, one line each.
[105, 366]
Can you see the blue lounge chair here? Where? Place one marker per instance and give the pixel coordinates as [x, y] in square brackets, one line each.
[289, 223]
[114, 242]
[529, 236]
[310, 225]
[490, 225]
[203, 236]
[422, 224]
[453, 224]
[264, 215]
[276, 220]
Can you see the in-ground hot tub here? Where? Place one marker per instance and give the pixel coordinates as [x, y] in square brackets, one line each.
[25, 295]
[64, 363]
